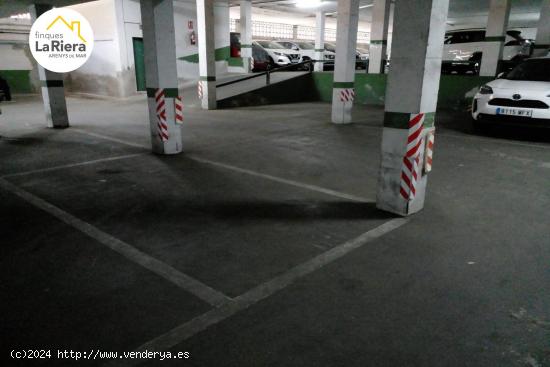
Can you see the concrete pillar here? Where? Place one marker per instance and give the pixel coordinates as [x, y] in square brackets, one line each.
[246, 34]
[343, 91]
[411, 99]
[542, 41]
[52, 88]
[207, 53]
[161, 75]
[295, 32]
[319, 39]
[379, 36]
[495, 36]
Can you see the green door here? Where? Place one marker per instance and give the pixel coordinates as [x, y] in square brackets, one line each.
[139, 62]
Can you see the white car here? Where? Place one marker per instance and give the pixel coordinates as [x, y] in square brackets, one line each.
[463, 49]
[521, 96]
[278, 54]
[306, 49]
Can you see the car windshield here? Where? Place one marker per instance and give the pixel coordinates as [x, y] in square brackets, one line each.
[363, 51]
[270, 45]
[306, 46]
[536, 70]
[330, 47]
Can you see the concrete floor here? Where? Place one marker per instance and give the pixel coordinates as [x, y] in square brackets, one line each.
[261, 245]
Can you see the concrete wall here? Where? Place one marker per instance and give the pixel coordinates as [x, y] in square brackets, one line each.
[16, 61]
[111, 71]
[103, 73]
[455, 91]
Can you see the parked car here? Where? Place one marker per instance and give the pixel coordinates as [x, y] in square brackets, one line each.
[260, 57]
[306, 49]
[5, 94]
[363, 58]
[463, 50]
[235, 44]
[331, 47]
[520, 96]
[278, 54]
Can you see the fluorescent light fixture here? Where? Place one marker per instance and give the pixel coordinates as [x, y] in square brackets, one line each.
[21, 16]
[308, 3]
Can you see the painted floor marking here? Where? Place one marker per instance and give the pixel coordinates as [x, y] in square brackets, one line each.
[285, 181]
[71, 165]
[242, 302]
[191, 285]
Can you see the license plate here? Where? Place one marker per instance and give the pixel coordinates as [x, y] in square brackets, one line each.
[514, 112]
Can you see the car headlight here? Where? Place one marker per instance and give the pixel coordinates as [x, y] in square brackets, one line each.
[279, 53]
[485, 89]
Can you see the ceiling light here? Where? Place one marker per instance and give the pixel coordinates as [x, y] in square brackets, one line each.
[308, 3]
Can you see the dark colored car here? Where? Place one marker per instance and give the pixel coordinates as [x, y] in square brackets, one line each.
[260, 56]
[235, 44]
[5, 94]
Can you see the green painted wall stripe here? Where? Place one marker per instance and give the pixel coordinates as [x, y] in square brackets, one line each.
[319, 49]
[208, 78]
[343, 84]
[542, 46]
[495, 39]
[235, 61]
[429, 119]
[246, 46]
[168, 92]
[18, 80]
[397, 120]
[221, 54]
[378, 42]
[400, 120]
[51, 83]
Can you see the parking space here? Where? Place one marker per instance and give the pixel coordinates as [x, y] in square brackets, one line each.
[266, 244]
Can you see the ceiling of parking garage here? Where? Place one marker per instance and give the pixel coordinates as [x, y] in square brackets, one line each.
[461, 12]
[11, 7]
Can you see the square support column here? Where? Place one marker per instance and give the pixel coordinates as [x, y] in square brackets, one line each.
[343, 92]
[52, 87]
[495, 36]
[319, 40]
[161, 74]
[207, 54]
[411, 100]
[379, 36]
[246, 35]
[542, 41]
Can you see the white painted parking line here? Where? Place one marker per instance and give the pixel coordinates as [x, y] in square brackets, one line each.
[242, 302]
[322, 190]
[285, 181]
[116, 140]
[71, 165]
[191, 285]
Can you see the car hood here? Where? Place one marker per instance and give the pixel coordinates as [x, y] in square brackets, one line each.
[520, 85]
[281, 50]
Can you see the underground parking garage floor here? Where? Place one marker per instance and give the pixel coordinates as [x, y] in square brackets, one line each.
[261, 244]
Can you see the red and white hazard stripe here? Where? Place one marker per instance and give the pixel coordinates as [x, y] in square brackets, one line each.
[161, 114]
[251, 63]
[199, 89]
[429, 152]
[410, 171]
[178, 107]
[347, 95]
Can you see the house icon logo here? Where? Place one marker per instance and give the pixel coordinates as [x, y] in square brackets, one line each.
[61, 40]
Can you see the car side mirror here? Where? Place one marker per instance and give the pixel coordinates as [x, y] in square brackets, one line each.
[295, 48]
